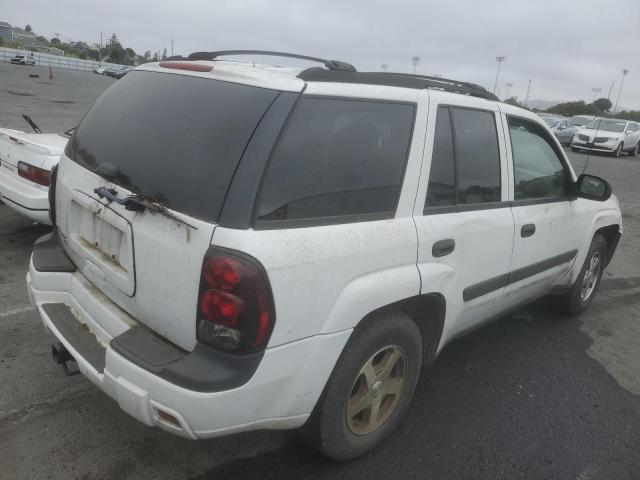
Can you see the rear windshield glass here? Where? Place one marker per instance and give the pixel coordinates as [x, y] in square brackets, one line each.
[176, 138]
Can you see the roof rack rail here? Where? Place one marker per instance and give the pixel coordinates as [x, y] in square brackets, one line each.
[330, 64]
[393, 79]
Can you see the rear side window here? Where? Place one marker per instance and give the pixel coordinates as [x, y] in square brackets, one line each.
[176, 138]
[465, 163]
[337, 160]
[442, 182]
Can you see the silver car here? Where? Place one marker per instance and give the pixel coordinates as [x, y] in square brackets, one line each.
[562, 128]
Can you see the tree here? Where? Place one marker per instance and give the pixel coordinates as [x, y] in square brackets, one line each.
[569, 109]
[147, 55]
[603, 104]
[164, 54]
[28, 28]
[55, 41]
[513, 101]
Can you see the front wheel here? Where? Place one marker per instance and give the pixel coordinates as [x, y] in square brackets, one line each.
[635, 150]
[578, 299]
[618, 150]
[369, 389]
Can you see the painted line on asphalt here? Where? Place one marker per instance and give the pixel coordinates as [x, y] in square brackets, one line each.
[16, 311]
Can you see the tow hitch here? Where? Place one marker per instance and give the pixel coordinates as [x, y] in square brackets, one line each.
[61, 356]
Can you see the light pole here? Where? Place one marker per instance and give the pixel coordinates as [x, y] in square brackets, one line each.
[508, 85]
[384, 67]
[100, 52]
[415, 61]
[526, 99]
[172, 47]
[499, 60]
[624, 74]
[596, 91]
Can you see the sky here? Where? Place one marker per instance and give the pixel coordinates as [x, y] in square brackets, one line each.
[565, 47]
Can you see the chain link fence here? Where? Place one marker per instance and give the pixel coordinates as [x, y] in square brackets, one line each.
[55, 61]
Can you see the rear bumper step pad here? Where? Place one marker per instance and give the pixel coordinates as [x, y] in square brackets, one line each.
[81, 340]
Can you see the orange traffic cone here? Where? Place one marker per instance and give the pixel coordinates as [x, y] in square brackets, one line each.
[50, 73]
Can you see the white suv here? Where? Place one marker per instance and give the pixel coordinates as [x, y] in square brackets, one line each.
[241, 246]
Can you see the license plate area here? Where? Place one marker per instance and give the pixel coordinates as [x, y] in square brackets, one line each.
[101, 242]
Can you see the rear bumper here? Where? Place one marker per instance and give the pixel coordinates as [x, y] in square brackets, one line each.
[26, 199]
[280, 393]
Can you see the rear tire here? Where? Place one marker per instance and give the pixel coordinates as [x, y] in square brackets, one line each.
[369, 389]
[579, 298]
[574, 149]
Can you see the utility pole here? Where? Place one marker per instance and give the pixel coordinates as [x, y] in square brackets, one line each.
[384, 67]
[499, 60]
[100, 52]
[610, 90]
[508, 85]
[526, 99]
[595, 90]
[172, 47]
[415, 61]
[57, 35]
[624, 74]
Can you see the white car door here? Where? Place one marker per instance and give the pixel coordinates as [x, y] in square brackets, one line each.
[546, 239]
[632, 136]
[465, 226]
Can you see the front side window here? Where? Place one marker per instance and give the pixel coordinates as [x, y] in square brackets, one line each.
[537, 169]
[337, 158]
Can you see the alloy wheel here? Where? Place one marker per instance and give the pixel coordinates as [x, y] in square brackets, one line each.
[376, 390]
[590, 277]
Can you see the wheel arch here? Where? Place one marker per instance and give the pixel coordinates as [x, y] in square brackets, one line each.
[428, 312]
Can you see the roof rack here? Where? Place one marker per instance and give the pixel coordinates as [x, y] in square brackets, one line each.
[334, 65]
[392, 79]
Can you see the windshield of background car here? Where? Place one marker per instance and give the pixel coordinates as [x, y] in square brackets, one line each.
[552, 122]
[176, 138]
[607, 125]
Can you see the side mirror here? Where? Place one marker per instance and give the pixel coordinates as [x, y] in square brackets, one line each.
[592, 188]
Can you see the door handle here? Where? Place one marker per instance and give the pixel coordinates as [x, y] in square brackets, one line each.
[527, 230]
[443, 247]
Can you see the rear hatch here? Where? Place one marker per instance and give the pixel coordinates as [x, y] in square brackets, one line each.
[174, 140]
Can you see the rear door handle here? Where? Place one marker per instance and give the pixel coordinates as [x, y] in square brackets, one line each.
[443, 247]
[527, 230]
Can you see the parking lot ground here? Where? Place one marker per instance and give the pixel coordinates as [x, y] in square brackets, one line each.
[534, 395]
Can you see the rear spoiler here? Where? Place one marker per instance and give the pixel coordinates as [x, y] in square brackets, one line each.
[23, 138]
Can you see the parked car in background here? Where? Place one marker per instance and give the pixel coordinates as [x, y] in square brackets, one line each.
[302, 243]
[608, 135]
[581, 120]
[117, 74]
[561, 127]
[24, 60]
[26, 160]
[113, 71]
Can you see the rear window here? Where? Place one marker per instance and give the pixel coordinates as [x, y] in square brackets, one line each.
[176, 138]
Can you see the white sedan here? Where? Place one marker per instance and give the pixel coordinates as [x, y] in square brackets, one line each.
[26, 160]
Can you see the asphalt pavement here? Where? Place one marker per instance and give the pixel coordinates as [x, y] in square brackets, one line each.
[535, 395]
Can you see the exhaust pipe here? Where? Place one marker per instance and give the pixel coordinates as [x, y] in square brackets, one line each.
[61, 356]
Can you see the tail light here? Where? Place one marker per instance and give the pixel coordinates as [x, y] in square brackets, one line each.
[52, 195]
[34, 174]
[235, 305]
